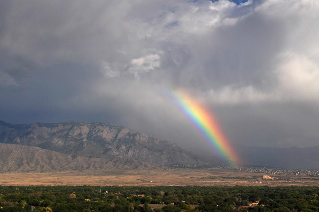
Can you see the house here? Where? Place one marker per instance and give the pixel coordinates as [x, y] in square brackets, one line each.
[253, 204]
[72, 196]
[267, 177]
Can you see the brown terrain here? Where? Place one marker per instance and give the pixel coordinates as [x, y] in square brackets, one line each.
[79, 153]
[77, 146]
[163, 177]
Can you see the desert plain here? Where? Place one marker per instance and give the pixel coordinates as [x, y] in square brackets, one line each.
[153, 177]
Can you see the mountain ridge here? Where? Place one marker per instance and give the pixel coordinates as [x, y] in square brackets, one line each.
[115, 146]
[95, 146]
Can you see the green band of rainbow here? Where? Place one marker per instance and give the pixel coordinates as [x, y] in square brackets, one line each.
[207, 124]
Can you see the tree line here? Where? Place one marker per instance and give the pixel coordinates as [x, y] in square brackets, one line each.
[160, 198]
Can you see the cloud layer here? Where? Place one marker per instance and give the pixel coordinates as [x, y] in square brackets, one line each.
[254, 64]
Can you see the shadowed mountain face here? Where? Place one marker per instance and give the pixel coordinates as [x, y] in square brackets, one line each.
[71, 146]
[18, 158]
[94, 146]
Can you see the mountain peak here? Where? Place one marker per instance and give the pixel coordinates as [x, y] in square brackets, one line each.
[118, 145]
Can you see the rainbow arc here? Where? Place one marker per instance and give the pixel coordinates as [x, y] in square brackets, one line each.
[205, 121]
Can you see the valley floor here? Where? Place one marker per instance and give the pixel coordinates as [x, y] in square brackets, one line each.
[166, 177]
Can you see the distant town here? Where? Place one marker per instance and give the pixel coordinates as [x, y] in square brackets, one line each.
[281, 172]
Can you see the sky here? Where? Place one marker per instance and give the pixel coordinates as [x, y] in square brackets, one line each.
[254, 64]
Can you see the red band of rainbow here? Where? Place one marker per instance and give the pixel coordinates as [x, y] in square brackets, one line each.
[208, 126]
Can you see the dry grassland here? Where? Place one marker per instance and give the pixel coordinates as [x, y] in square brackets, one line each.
[166, 177]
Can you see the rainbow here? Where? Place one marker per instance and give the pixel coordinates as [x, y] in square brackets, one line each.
[206, 123]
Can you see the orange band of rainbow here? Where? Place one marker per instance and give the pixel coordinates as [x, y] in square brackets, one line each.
[207, 124]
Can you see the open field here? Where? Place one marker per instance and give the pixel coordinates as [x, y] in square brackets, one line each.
[176, 177]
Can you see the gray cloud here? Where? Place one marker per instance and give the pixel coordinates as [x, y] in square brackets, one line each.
[255, 65]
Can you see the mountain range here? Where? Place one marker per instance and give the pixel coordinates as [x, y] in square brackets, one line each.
[41, 147]
[49, 147]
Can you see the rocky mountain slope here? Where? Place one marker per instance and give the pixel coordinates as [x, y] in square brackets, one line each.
[78, 146]
[18, 158]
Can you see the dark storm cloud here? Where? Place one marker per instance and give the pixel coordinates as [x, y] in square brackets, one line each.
[254, 64]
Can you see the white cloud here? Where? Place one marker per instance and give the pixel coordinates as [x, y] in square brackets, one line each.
[242, 95]
[298, 78]
[144, 64]
[109, 72]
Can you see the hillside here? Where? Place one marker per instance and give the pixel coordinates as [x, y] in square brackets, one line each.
[18, 158]
[78, 146]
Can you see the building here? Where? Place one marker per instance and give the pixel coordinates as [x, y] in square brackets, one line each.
[267, 177]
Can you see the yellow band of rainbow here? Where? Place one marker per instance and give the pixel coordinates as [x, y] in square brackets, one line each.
[207, 124]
